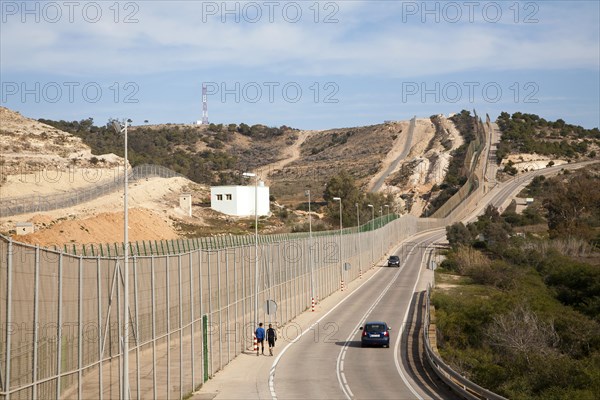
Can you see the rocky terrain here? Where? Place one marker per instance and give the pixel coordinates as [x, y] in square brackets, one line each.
[38, 159]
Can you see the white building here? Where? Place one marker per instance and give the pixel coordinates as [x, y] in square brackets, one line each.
[239, 200]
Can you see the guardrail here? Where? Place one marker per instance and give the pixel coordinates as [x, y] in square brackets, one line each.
[456, 381]
[22, 205]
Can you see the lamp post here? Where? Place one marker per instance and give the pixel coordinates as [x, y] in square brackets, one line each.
[372, 233]
[380, 224]
[358, 239]
[250, 174]
[125, 371]
[387, 219]
[341, 227]
[310, 244]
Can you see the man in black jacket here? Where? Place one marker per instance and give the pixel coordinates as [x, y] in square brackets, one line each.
[271, 338]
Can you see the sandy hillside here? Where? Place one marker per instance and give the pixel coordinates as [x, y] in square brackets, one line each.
[154, 210]
[143, 224]
[40, 159]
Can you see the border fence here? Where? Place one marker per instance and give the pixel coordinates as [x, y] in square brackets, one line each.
[191, 309]
[474, 167]
[22, 205]
[190, 313]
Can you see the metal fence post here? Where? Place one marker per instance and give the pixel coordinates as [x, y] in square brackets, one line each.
[100, 362]
[136, 328]
[7, 352]
[58, 328]
[180, 306]
[168, 304]
[219, 308]
[36, 296]
[228, 305]
[80, 330]
[153, 290]
[192, 320]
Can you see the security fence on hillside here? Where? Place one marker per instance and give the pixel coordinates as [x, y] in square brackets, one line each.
[22, 205]
[191, 310]
[474, 165]
[178, 246]
[190, 314]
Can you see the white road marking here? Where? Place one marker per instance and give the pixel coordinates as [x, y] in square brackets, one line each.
[340, 374]
[272, 372]
[399, 337]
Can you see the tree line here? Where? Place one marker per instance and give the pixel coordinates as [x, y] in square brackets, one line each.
[529, 133]
[173, 146]
[524, 320]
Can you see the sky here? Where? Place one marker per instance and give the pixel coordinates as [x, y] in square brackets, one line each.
[304, 64]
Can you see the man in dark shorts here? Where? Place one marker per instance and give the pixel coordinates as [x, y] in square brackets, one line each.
[260, 338]
[271, 338]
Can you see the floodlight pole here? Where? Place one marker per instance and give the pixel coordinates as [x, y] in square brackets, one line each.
[341, 228]
[251, 174]
[310, 244]
[380, 222]
[372, 233]
[358, 238]
[125, 371]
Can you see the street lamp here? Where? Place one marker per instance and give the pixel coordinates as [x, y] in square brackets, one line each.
[380, 224]
[310, 244]
[387, 219]
[341, 227]
[358, 239]
[249, 175]
[125, 372]
[372, 233]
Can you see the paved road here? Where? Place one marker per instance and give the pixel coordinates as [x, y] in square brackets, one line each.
[327, 362]
[334, 366]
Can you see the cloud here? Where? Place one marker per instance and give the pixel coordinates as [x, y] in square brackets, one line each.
[371, 38]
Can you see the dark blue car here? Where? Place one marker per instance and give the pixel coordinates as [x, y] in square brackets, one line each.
[375, 333]
[394, 261]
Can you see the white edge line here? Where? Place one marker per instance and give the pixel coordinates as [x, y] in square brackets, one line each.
[399, 338]
[272, 372]
[340, 374]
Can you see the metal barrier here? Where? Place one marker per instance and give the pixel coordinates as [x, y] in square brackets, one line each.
[22, 205]
[178, 246]
[473, 162]
[190, 313]
[452, 378]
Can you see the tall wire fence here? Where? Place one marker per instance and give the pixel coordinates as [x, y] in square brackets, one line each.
[10, 206]
[475, 171]
[190, 314]
[191, 310]
[177, 246]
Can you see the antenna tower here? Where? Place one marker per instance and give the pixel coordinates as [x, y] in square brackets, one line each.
[204, 105]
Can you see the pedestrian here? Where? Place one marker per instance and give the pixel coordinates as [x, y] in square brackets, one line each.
[271, 338]
[260, 338]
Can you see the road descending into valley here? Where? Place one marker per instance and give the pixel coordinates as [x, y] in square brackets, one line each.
[337, 367]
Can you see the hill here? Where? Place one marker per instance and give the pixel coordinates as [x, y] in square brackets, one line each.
[291, 160]
[530, 142]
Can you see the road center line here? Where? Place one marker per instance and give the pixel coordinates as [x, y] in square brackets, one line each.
[278, 358]
[399, 337]
[340, 374]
